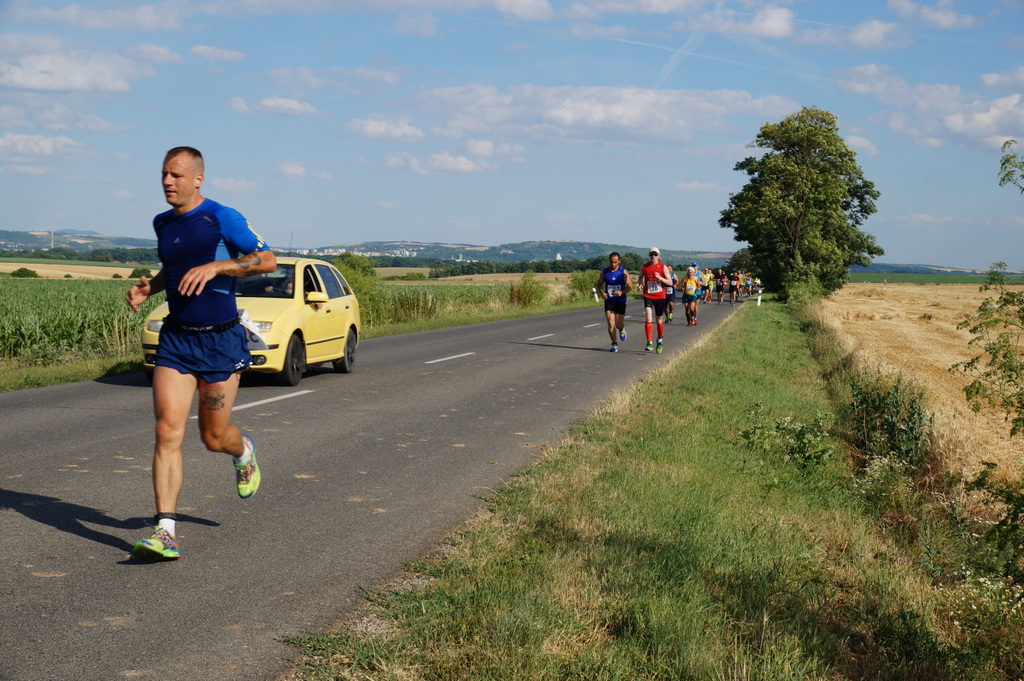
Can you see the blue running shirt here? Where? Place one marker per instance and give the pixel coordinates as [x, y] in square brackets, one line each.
[615, 284]
[206, 233]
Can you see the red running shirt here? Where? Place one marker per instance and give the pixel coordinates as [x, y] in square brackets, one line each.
[650, 284]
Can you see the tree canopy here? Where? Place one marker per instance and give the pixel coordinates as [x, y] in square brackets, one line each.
[802, 207]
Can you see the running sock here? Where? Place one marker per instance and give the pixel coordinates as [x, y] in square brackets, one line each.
[648, 328]
[246, 454]
[166, 521]
[661, 331]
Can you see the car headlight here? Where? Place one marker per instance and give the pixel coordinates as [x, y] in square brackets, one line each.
[261, 327]
[154, 325]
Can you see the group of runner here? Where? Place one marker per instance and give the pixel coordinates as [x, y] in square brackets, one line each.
[659, 285]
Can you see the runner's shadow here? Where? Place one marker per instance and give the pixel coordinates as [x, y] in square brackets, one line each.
[72, 518]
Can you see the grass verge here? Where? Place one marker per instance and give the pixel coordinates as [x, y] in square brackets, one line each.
[654, 543]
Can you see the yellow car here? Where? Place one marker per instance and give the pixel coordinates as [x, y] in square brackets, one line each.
[289, 327]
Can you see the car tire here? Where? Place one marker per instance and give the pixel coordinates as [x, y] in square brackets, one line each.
[294, 363]
[345, 363]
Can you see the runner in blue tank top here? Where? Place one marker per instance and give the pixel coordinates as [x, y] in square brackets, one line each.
[614, 284]
[203, 246]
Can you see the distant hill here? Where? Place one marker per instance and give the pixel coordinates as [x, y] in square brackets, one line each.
[85, 241]
[78, 241]
[522, 251]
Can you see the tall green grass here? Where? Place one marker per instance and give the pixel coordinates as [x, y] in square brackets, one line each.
[654, 543]
[44, 322]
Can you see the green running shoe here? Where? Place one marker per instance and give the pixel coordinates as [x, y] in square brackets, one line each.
[649, 347]
[660, 348]
[247, 476]
[161, 546]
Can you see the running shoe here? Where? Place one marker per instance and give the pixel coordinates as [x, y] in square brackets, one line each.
[622, 334]
[660, 348]
[615, 347]
[649, 347]
[161, 546]
[247, 476]
[670, 316]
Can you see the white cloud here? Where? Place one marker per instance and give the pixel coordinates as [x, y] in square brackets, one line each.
[488, 149]
[924, 217]
[226, 184]
[941, 15]
[32, 44]
[295, 170]
[217, 53]
[74, 71]
[151, 53]
[126, 17]
[422, 24]
[862, 144]
[607, 115]
[869, 35]
[695, 186]
[586, 31]
[1008, 80]
[272, 105]
[934, 114]
[374, 129]
[436, 163]
[34, 154]
[767, 22]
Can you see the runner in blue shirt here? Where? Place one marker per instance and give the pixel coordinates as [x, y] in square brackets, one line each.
[614, 284]
[203, 246]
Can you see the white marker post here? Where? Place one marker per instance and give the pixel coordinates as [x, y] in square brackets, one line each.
[596, 299]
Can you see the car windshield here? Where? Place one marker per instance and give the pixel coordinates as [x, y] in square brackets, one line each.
[277, 284]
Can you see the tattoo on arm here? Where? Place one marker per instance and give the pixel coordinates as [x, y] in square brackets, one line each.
[247, 262]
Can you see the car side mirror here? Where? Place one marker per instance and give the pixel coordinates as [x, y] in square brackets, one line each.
[316, 297]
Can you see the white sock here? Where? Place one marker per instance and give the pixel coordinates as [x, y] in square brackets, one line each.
[246, 454]
[167, 524]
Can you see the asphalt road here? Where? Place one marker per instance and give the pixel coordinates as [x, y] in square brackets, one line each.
[361, 473]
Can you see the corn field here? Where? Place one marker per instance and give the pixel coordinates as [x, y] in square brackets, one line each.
[49, 321]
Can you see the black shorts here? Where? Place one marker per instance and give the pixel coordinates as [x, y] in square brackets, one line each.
[658, 304]
[616, 306]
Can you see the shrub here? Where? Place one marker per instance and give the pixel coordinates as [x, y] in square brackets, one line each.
[140, 272]
[24, 273]
[528, 292]
[887, 417]
[581, 284]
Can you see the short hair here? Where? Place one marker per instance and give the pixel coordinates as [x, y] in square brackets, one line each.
[195, 154]
[614, 254]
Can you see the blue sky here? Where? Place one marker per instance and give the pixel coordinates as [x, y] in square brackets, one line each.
[494, 121]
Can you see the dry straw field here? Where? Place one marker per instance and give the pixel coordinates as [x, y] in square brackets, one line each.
[911, 328]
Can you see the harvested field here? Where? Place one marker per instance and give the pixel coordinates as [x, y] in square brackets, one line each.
[59, 271]
[912, 329]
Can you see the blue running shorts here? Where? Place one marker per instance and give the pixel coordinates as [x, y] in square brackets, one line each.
[211, 355]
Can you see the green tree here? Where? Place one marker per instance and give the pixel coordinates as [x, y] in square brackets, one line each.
[354, 262]
[741, 261]
[1011, 167]
[803, 205]
[24, 273]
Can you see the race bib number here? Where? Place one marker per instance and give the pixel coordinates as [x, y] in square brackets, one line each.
[653, 286]
[614, 290]
[691, 288]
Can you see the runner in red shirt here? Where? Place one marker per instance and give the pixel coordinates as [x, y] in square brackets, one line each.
[654, 277]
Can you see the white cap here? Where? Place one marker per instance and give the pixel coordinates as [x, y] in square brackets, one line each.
[655, 249]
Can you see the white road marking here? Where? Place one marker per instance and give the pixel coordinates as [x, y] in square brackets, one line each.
[547, 335]
[445, 359]
[271, 399]
[588, 326]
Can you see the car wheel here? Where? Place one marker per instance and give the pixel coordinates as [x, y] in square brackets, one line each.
[294, 363]
[345, 363]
